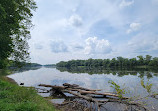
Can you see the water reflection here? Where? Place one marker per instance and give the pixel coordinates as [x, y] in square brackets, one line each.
[119, 72]
[23, 69]
[136, 81]
[88, 78]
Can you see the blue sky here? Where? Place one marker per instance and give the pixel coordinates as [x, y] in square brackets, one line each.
[82, 29]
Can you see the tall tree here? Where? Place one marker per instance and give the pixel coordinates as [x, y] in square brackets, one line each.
[15, 23]
[147, 59]
[140, 60]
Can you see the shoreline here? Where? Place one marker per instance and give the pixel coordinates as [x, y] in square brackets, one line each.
[11, 91]
[9, 80]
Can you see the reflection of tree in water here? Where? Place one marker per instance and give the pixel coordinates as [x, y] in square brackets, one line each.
[100, 70]
[146, 73]
[23, 69]
[114, 73]
[149, 75]
[122, 73]
[155, 74]
[141, 74]
[5, 72]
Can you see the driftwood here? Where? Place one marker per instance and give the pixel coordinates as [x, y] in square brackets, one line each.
[87, 94]
[82, 96]
[56, 87]
[75, 86]
[104, 94]
[68, 87]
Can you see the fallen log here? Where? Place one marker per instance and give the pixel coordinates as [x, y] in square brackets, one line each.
[81, 96]
[79, 89]
[69, 88]
[75, 86]
[52, 86]
[86, 97]
[104, 94]
[70, 85]
[56, 90]
[73, 97]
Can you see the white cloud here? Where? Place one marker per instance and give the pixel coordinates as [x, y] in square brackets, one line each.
[134, 27]
[125, 3]
[144, 43]
[75, 20]
[58, 46]
[95, 46]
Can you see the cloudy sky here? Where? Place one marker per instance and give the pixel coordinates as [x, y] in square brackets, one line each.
[82, 29]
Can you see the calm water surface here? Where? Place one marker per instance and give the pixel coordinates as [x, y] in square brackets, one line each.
[131, 80]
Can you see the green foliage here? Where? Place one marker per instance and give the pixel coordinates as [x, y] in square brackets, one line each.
[23, 64]
[15, 98]
[140, 60]
[147, 86]
[118, 62]
[3, 63]
[154, 62]
[118, 89]
[15, 22]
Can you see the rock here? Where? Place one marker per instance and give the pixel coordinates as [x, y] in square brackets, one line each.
[21, 83]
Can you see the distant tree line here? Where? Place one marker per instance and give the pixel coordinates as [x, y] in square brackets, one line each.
[49, 65]
[22, 64]
[139, 61]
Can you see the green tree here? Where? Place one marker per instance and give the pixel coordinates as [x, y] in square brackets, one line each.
[113, 62]
[15, 23]
[140, 60]
[120, 61]
[106, 62]
[147, 59]
[126, 62]
[154, 62]
[133, 62]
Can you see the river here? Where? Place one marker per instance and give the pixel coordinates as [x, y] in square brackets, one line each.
[95, 79]
[131, 80]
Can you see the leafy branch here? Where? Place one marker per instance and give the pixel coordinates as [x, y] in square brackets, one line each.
[118, 89]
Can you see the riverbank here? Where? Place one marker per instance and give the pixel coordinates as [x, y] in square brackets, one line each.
[16, 98]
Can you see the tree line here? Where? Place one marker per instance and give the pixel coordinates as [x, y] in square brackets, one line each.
[139, 61]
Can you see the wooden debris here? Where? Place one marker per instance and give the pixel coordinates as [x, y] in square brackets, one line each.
[68, 87]
[82, 96]
[87, 94]
[56, 87]
[75, 86]
[104, 94]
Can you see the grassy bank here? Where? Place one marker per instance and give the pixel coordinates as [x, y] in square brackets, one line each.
[16, 98]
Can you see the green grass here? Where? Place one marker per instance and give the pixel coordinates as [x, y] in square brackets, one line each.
[16, 98]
